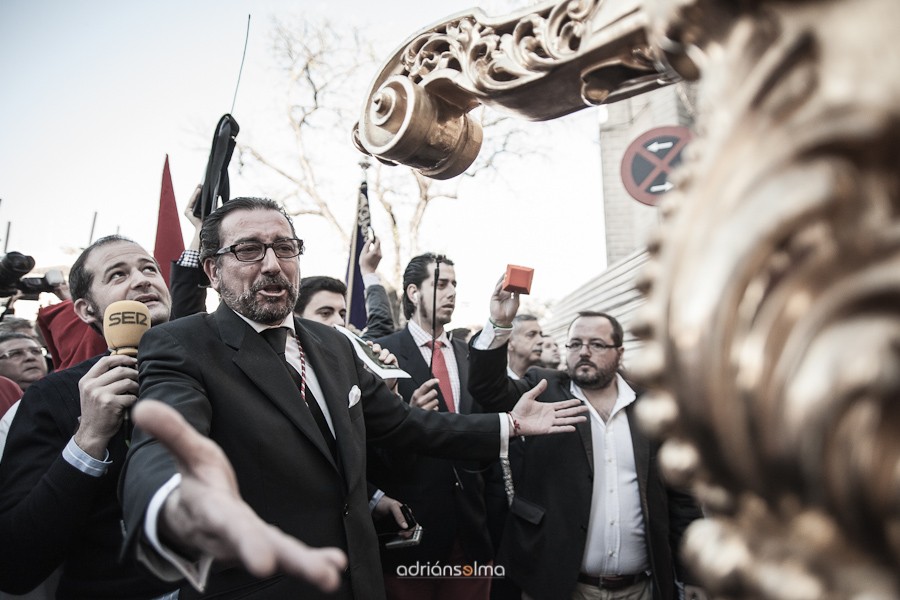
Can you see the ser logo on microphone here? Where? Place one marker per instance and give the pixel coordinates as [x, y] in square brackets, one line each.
[128, 317]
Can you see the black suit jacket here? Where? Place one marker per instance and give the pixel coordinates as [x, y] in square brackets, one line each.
[231, 386]
[544, 540]
[379, 320]
[51, 513]
[446, 496]
[188, 288]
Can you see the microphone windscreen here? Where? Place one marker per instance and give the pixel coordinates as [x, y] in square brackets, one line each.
[124, 322]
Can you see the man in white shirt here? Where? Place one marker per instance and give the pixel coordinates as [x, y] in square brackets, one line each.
[591, 516]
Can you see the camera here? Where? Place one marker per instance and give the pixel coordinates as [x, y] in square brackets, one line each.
[13, 268]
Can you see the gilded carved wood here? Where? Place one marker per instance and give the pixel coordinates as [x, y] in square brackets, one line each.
[772, 324]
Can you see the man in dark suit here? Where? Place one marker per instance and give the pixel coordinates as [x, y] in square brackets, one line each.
[67, 444]
[288, 404]
[591, 511]
[446, 497]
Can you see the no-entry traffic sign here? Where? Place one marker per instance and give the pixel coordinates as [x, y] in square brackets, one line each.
[650, 159]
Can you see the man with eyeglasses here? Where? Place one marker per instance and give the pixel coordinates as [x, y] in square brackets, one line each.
[67, 443]
[591, 516]
[21, 359]
[259, 439]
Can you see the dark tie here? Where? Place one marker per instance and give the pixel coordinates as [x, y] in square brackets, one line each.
[277, 338]
[439, 370]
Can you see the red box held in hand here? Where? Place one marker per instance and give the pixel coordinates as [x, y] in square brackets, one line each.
[518, 279]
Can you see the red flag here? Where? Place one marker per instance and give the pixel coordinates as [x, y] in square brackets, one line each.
[169, 241]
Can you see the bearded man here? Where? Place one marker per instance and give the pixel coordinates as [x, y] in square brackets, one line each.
[260, 446]
[591, 514]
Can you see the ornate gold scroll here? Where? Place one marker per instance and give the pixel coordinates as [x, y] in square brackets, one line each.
[772, 324]
[539, 64]
[773, 315]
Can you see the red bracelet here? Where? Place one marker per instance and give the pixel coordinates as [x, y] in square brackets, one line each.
[515, 424]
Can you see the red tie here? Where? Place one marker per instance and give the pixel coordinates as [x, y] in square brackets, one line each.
[439, 369]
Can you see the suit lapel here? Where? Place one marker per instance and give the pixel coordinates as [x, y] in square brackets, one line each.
[335, 389]
[587, 441]
[461, 352]
[583, 429]
[259, 362]
[641, 445]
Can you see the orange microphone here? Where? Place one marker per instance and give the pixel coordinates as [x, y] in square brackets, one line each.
[124, 322]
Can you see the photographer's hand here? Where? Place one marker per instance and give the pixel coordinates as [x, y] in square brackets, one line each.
[62, 291]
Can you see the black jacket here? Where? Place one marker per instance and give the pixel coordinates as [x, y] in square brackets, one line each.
[543, 543]
[52, 514]
[231, 386]
[446, 497]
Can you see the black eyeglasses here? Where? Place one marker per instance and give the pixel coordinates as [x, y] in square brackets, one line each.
[577, 345]
[256, 251]
[21, 353]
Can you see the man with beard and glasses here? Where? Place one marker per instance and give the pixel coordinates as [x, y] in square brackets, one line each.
[260, 432]
[591, 516]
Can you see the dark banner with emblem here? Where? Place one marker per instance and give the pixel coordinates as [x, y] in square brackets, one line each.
[356, 298]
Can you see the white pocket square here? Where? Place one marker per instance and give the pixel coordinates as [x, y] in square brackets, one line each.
[355, 395]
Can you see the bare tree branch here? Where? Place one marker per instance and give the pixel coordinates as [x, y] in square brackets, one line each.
[325, 68]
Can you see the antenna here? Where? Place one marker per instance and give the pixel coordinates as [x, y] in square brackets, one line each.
[93, 224]
[437, 275]
[241, 70]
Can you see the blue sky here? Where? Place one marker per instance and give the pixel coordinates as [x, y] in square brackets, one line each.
[96, 93]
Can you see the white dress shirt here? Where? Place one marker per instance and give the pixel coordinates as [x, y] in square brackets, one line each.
[616, 544]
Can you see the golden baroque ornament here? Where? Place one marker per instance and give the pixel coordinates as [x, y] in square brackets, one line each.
[772, 321]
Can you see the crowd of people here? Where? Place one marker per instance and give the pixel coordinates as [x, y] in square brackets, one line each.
[249, 453]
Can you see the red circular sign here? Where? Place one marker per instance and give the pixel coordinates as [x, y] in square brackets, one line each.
[650, 159]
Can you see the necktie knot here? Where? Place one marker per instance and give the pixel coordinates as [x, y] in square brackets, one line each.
[277, 338]
[435, 344]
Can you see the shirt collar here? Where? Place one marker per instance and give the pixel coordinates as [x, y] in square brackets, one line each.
[259, 327]
[422, 337]
[626, 394]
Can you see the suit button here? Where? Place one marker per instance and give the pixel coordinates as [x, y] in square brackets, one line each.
[346, 509]
[584, 527]
[456, 484]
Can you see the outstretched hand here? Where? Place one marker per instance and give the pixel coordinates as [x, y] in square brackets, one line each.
[206, 514]
[504, 305]
[538, 418]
